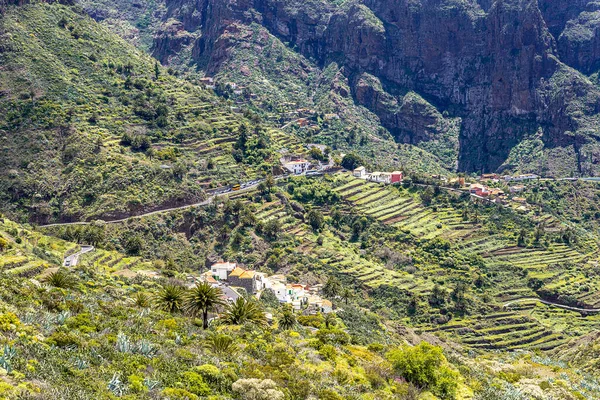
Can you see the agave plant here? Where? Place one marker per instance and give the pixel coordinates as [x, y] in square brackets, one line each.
[60, 279]
[242, 311]
[203, 299]
[169, 298]
[145, 348]
[150, 384]
[116, 386]
[123, 343]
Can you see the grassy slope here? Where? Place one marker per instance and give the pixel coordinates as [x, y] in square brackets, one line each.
[69, 97]
[405, 249]
[69, 343]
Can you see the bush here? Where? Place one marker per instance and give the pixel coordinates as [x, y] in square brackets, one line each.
[425, 366]
[195, 383]
[9, 322]
[333, 336]
[63, 339]
[178, 394]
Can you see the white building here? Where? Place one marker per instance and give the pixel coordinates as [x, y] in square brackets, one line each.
[222, 269]
[381, 177]
[297, 167]
[519, 178]
[360, 172]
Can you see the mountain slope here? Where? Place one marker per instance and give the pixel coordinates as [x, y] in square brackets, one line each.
[93, 127]
[495, 66]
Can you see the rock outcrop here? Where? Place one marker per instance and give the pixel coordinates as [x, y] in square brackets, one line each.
[495, 64]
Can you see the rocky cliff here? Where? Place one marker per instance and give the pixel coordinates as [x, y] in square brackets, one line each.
[497, 65]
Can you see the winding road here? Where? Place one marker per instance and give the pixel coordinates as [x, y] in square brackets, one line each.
[73, 259]
[217, 193]
[549, 303]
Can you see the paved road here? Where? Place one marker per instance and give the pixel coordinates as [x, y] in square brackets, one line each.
[214, 194]
[73, 259]
[549, 303]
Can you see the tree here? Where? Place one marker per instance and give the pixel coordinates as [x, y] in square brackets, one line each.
[270, 182]
[330, 320]
[241, 311]
[438, 296]
[315, 219]
[351, 161]
[521, 241]
[287, 320]
[221, 344]
[60, 279]
[134, 245]
[347, 294]
[332, 287]
[3, 244]
[156, 70]
[169, 298]
[201, 300]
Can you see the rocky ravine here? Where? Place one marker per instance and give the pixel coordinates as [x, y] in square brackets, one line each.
[496, 64]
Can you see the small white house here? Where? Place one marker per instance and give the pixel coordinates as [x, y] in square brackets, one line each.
[222, 269]
[381, 177]
[520, 178]
[360, 172]
[297, 167]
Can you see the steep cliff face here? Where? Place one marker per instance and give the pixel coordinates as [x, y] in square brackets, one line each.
[494, 64]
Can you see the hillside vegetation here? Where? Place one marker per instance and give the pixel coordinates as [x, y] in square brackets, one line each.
[93, 127]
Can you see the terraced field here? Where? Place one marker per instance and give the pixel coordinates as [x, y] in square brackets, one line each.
[502, 331]
[33, 253]
[401, 210]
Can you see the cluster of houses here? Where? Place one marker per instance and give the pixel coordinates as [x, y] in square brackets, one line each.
[379, 177]
[299, 296]
[480, 191]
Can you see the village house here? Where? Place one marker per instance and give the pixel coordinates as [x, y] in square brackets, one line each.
[302, 122]
[297, 167]
[207, 80]
[489, 177]
[222, 269]
[479, 190]
[381, 177]
[396, 177]
[519, 199]
[519, 178]
[517, 188]
[360, 172]
[243, 278]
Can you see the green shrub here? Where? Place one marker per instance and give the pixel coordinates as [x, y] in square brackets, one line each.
[63, 339]
[178, 394]
[333, 336]
[195, 383]
[425, 366]
[9, 322]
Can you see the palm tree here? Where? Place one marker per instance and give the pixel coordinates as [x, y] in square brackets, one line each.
[330, 320]
[169, 298]
[287, 320]
[141, 299]
[242, 311]
[347, 294]
[221, 344]
[60, 279]
[201, 300]
[332, 287]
